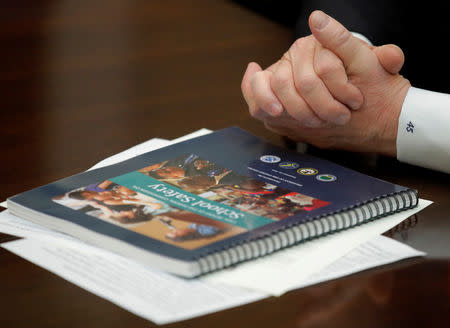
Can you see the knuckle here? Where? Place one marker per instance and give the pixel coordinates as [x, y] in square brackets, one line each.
[327, 65]
[281, 80]
[301, 45]
[306, 83]
[286, 57]
[259, 87]
[256, 79]
[298, 44]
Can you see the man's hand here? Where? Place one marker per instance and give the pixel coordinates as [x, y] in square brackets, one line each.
[343, 73]
[313, 96]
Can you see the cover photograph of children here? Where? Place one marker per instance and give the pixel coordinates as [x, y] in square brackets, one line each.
[145, 215]
[208, 180]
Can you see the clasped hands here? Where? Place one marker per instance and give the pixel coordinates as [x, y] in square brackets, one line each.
[332, 90]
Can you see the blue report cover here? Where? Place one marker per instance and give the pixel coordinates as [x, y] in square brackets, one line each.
[200, 196]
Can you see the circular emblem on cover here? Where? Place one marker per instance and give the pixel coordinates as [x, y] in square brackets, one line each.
[270, 159]
[307, 171]
[289, 165]
[326, 177]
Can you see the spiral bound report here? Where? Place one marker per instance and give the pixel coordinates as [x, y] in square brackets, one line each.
[210, 202]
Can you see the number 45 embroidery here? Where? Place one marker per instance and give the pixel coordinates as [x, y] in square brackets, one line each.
[410, 127]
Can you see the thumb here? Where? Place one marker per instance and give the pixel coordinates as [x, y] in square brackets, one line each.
[391, 57]
[356, 55]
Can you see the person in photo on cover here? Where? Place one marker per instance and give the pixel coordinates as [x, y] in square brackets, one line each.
[187, 169]
[307, 203]
[200, 183]
[261, 198]
[164, 173]
[120, 196]
[106, 185]
[120, 207]
[172, 169]
[196, 231]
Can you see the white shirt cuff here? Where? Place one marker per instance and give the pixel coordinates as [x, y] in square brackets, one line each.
[423, 136]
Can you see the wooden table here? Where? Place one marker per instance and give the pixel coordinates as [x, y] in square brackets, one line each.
[82, 80]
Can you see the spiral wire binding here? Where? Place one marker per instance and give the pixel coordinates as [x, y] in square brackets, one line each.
[297, 233]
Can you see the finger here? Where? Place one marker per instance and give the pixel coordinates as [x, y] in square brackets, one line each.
[391, 57]
[332, 73]
[282, 84]
[356, 55]
[246, 88]
[263, 94]
[310, 86]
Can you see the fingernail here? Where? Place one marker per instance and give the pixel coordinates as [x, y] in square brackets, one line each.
[342, 119]
[313, 122]
[354, 104]
[319, 20]
[275, 109]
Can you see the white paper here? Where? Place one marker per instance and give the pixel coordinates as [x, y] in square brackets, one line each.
[283, 271]
[149, 293]
[13, 225]
[164, 298]
[378, 251]
[194, 134]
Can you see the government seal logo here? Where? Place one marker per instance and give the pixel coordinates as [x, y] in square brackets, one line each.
[307, 171]
[326, 177]
[270, 159]
[289, 165]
